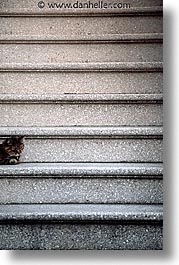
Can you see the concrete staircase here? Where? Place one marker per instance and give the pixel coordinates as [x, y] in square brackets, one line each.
[85, 87]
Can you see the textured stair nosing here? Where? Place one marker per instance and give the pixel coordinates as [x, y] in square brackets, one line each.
[110, 38]
[83, 169]
[92, 67]
[133, 11]
[81, 98]
[81, 212]
[83, 132]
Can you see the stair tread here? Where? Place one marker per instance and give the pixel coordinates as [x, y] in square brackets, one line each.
[64, 212]
[77, 169]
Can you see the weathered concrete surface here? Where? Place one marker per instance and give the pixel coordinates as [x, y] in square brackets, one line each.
[92, 150]
[49, 83]
[76, 26]
[80, 190]
[81, 114]
[129, 170]
[58, 53]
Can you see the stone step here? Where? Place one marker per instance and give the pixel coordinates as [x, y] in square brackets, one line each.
[81, 110]
[88, 181]
[68, 53]
[81, 82]
[76, 114]
[88, 39]
[74, 226]
[79, 26]
[91, 145]
[81, 183]
[67, 189]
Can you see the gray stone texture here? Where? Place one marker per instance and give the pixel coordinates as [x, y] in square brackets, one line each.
[80, 190]
[84, 39]
[129, 170]
[81, 212]
[98, 82]
[85, 132]
[81, 236]
[84, 197]
[86, 67]
[92, 150]
[81, 114]
[75, 26]
[78, 227]
[82, 98]
[62, 53]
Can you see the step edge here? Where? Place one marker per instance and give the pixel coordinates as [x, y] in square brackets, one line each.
[82, 132]
[81, 98]
[91, 67]
[82, 169]
[114, 38]
[81, 212]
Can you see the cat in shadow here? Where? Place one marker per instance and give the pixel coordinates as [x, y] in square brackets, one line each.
[11, 149]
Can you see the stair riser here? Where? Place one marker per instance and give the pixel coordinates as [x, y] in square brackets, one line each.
[42, 83]
[76, 26]
[81, 236]
[80, 190]
[80, 114]
[80, 53]
[92, 150]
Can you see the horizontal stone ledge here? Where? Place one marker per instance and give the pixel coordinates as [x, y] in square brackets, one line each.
[81, 212]
[83, 169]
[84, 67]
[81, 98]
[108, 38]
[83, 132]
[134, 11]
